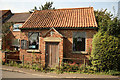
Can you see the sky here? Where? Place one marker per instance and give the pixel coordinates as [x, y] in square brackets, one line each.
[17, 6]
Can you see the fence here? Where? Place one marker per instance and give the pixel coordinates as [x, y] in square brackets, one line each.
[12, 56]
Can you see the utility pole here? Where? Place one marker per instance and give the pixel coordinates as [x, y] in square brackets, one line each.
[119, 10]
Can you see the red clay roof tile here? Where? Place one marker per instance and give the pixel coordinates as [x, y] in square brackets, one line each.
[71, 17]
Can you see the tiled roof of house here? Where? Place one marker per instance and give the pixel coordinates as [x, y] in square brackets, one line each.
[19, 17]
[71, 17]
[4, 12]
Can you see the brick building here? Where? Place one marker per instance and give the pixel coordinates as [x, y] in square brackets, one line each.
[17, 19]
[13, 36]
[53, 35]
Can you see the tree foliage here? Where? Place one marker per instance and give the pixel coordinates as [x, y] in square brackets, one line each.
[106, 43]
[46, 6]
[103, 17]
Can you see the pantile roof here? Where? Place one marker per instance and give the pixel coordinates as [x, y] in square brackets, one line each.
[71, 17]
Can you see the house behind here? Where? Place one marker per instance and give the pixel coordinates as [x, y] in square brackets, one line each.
[11, 42]
[13, 36]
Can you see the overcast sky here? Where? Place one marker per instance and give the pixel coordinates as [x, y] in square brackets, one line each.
[17, 6]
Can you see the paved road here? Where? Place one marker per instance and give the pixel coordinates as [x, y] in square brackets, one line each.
[10, 74]
[13, 75]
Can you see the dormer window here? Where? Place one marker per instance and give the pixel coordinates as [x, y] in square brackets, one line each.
[16, 27]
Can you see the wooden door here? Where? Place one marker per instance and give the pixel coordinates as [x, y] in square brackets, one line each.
[52, 54]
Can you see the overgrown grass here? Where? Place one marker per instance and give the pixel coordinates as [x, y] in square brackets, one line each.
[65, 68]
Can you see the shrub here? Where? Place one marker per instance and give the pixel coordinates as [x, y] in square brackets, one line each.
[113, 72]
[59, 69]
[20, 66]
[105, 53]
[70, 68]
[3, 63]
[11, 63]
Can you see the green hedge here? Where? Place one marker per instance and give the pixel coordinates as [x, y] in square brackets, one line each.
[106, 52]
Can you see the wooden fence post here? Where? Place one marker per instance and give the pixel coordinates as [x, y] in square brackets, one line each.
[5, 57]
[23, 60]
[32, 61]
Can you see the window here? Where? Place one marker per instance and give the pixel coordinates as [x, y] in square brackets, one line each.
[16, 44]
[16, 27]
[79, 41]
[24, 44]
[33, 40]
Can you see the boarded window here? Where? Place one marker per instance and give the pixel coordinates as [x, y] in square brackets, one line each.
[24, 44]
[33, 40]
[79, 41]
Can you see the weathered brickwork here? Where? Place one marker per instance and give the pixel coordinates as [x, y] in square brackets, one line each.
[68, 52]
[65, 45]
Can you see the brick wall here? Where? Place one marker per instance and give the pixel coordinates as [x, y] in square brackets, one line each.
[68, 52]
[65, 46]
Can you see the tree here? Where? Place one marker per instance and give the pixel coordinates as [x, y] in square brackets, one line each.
[103, 18]
[46, 6]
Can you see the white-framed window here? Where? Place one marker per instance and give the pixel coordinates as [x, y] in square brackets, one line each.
[16, 27]
[79, 39]
[33, 39]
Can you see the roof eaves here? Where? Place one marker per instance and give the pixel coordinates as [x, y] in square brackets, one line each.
[59, 28]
